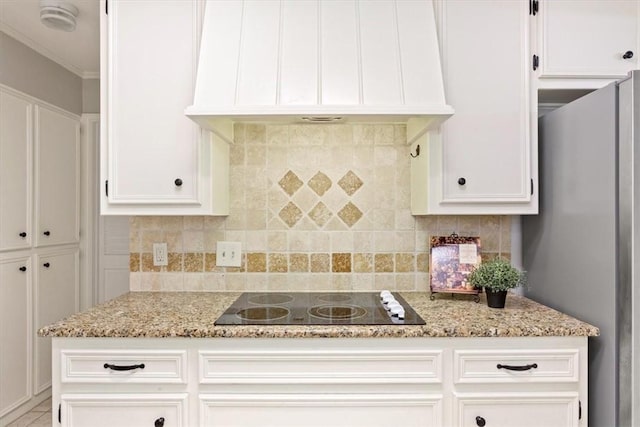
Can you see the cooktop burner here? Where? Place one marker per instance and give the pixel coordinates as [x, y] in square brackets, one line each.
[319, 308]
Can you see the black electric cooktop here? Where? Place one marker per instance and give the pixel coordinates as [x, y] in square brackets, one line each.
[314, 308]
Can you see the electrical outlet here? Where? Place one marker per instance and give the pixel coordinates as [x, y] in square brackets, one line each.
[160, 254]
[228, 254]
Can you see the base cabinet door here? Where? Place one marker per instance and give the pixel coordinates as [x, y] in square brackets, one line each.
[517, 410]
[124, 410]
[56, 297]
[15, 333]
[320, 410]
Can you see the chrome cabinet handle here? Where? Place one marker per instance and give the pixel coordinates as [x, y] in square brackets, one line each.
[627, 55]
[159, 422]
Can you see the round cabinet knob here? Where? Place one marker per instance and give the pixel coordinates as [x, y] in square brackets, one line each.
[23, 234]
[47, 233]
[23, 268]
[46, 265]
[159, 422]
[480, 422]
[627, 55]
[178, 182]
[462, 181]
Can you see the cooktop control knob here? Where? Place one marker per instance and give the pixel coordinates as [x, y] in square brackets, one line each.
[384, 294]
[397, 311]
[387, 299]
[393, 306]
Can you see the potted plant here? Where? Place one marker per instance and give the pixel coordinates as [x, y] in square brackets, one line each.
[496, 276]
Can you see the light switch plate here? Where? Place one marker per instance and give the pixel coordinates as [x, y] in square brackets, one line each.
[228, 254]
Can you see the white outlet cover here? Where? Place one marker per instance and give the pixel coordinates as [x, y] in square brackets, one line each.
[160, 256]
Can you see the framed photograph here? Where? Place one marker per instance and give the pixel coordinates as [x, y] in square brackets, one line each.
[451, 260]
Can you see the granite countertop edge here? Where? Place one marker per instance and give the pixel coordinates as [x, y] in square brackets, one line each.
[192, 315]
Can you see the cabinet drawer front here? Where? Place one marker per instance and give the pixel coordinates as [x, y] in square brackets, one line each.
[517, 409]
[507, 366]
[328, 367]
[123, 410]
[163, 367]
[320, 410]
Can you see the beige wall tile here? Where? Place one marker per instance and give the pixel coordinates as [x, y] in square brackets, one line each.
[320, 263]
[383, 263]
[299, 263]
[315, 207]
[405, 263]
[341, 262]
[174, 261]
[134, 262]
[362, 262]
[256, 262]
[194, 262]
[278, 263]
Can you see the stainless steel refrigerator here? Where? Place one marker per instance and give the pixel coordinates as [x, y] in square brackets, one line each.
[582, 252]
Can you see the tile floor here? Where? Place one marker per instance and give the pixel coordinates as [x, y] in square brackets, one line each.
[40, 416]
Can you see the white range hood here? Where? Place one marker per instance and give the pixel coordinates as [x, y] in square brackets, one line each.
[319, 61]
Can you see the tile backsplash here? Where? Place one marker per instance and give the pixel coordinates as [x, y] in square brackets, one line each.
[315, 207]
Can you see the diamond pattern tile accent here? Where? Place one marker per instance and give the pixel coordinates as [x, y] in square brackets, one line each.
[350, 183]
[350, 214]
[290, 183]
[320, 183]
[320, 214]
[290, 214]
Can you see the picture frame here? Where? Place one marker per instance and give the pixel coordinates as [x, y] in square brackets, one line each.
[451, 259]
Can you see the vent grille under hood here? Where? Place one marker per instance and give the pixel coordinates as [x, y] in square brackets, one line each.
[319, 60]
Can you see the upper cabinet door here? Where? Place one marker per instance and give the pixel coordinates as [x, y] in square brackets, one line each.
[151, 66]
[485, 159]
[15, 172]
[57, 154]
[587, 39]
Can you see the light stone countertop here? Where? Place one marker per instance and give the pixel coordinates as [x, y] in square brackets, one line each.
[192, 314]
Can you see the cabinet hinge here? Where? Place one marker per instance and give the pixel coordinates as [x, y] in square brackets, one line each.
[532, 186]
[106, 187]
[579, 409]
[60, 413]
[533, 7]
[536, 62]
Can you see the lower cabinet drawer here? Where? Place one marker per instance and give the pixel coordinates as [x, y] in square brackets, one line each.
[321, 410]
[515, 366]
[320, 367]
[517, 410]
[124, 410]
[121, 366]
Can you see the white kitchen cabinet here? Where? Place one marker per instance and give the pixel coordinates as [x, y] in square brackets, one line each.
[57, 167]
[155, 160]
[483, 159]
[39, 192]
[109, 410]
[328, 381]
[56, 297]
[15, 171]
[15, 332]
[582, 44]
[321, 410]
[549, 409]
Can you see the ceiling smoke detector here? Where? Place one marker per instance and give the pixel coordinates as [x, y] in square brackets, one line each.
[58, 14]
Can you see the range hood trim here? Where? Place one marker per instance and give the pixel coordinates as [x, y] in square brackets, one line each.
[418, 119]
